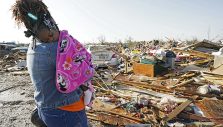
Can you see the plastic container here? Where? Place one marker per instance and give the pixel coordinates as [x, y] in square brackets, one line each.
[206, 89]
[147, 61]
[87, 97]
[170, 59]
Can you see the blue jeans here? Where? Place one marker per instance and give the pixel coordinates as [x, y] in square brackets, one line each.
[60, 118]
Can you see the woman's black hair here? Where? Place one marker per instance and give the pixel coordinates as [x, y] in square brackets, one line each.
[34, 15]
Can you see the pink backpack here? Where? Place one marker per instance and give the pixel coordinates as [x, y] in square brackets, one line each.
[74, 67]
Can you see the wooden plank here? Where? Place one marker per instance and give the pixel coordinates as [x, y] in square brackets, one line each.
[142, 85]
[213, 109]
[113, 118]
[181, 84]
[193, 117]
[196, 53]
[177, 110]
[143, 69]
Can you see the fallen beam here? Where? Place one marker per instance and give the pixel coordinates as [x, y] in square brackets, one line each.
[195, 53]
[181, 84]
[113, 118]
[193, 117]
[178, 109]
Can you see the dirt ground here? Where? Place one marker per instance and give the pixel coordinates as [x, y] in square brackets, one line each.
[16, 101]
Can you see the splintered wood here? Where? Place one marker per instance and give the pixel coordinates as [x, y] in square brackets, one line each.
[157, 94]
[177, 110]
[212, 109]
[110, 115]
[113, 119]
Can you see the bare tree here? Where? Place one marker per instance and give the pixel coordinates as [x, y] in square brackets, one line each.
[130, 42]
[102, 39]
[129, 39]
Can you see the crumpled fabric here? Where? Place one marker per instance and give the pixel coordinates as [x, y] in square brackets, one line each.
[74, 66]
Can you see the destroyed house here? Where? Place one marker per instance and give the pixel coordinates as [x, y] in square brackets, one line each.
[5, 49]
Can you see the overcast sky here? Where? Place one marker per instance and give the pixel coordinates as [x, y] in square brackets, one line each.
[118, 19]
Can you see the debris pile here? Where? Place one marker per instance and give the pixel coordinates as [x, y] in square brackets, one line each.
[13, 61]
[161, 85]
[151, 83]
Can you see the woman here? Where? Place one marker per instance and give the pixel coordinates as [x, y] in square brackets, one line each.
[56, 109]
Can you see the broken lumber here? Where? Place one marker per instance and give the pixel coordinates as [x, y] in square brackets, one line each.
[181, 84]
[178, 109]
[113, 118]
[196, 53]
[193, 117]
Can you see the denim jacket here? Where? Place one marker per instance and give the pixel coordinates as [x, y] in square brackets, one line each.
[41, 63]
